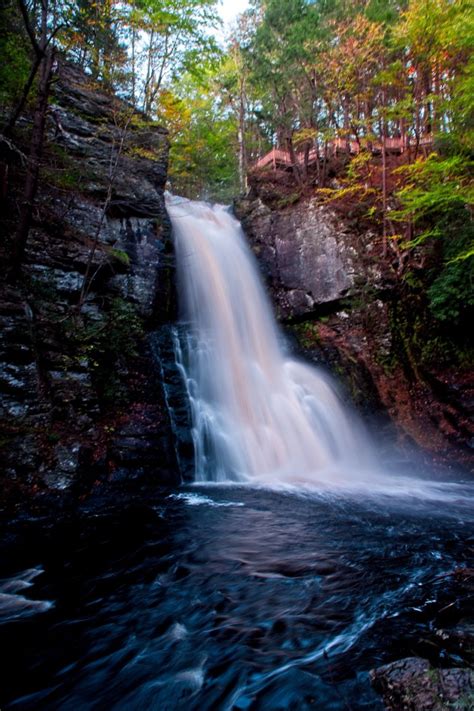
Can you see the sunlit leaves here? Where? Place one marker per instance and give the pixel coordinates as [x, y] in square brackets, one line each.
[435, 188]
[203, 132]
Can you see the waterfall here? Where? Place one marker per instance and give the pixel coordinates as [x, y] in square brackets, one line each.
[258, 415]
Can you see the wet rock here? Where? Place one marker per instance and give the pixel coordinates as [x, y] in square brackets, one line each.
[17, 379]
[459, 641]
[348, 310]
[68, 457]
[67, 461]
[412, 684]
[71, 378]
[69, 283]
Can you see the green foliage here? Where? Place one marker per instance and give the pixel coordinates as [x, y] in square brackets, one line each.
[451, 293]
[167, 40]
[278, 56]
[117, 336]
[142, 152]
[62, 171]
[307, 334]
[14, 54]
[108, 345]
[437, 196]
[203, 157]
[422, 343]
[412, 280]
[359, 190]
[120, 256]
[288, 200]
[64, 178]
[435, 188]
[94, 39]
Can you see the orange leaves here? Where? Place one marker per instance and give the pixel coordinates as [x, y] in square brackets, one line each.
[356, 54]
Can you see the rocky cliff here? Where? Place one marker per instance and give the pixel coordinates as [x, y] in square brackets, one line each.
[82, 404]
[342, 298]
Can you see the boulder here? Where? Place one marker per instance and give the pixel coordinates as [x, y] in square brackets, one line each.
[412, 684]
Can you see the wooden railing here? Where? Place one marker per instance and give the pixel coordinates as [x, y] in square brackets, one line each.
[279, 157]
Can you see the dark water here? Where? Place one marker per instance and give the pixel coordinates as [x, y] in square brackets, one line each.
[233, 598]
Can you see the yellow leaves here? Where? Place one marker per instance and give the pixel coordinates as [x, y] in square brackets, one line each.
[349, 191]
[141, 152]
[463, 256]
[304, 135]
[359, 39]
[173, 112]
[436, 31]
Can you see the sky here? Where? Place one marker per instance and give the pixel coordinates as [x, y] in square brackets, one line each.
[229, 9]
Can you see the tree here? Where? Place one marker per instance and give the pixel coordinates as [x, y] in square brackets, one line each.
[41, 31]
[96, 40]
[204, 135]
[278, 56]
[174, 38]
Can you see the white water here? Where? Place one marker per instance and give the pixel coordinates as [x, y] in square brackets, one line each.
[258, 415]
[13, 605]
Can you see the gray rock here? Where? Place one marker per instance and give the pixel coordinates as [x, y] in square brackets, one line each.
[412, 684]
[335, 276]
[58, 481]
[67, 457]
[13, 409]
[17, 378]
[61, 281]
[57, 375]
[307, 255]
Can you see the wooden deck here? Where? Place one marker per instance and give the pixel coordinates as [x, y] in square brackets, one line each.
[278, 157]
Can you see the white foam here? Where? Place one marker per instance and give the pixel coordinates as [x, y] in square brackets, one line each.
[258, 416]
[200, 500]
[14, 606]
[261, 418]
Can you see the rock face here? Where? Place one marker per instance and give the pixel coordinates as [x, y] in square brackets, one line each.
[308, 255]
[343, 300]
[412, 684]
[81, 399]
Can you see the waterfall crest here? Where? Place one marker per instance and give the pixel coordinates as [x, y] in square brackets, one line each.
[258, 415]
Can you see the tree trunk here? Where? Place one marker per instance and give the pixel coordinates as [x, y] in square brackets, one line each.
[417, 116]
[437, 92]
[307, 149]
[346, 124]
[294, 161]
[241, 140]
[325, 162]
[134, 78]
[148, 76]
[384, 174]
[34, 160]
[318, 164]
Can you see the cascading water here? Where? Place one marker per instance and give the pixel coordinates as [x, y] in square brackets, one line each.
[257, 415]
[255, 598]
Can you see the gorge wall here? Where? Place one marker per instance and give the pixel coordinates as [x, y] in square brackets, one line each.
[86, 360]
[82, 401]
[349, 310]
